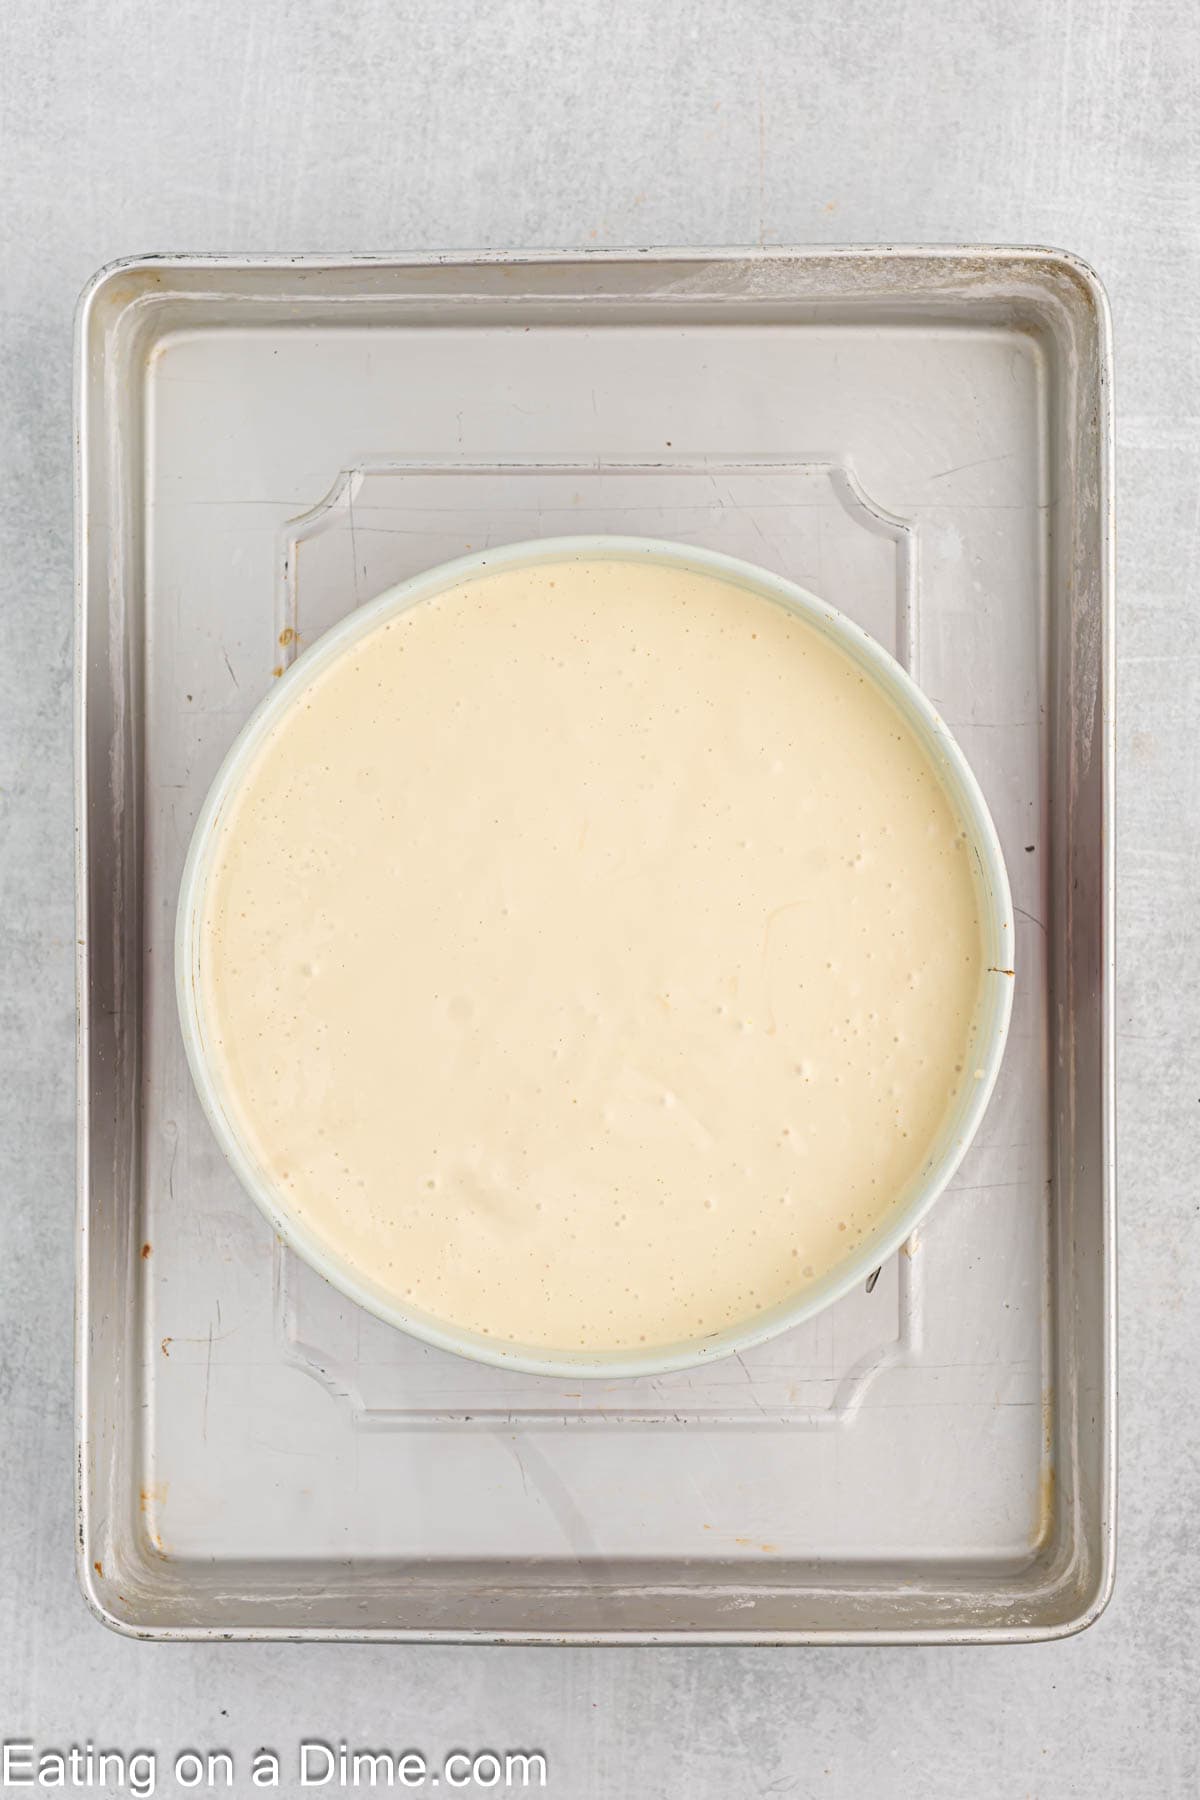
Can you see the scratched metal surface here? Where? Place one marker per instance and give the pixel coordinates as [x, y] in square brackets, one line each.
[921, 439]
[1071, 124]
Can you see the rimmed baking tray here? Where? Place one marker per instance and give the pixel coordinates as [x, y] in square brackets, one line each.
[922, 436]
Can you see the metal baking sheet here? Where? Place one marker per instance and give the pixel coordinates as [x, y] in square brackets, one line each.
[921, 436]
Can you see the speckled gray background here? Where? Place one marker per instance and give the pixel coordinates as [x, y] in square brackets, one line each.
[364, 125]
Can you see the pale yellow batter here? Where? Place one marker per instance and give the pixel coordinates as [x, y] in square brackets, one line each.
[590, 955]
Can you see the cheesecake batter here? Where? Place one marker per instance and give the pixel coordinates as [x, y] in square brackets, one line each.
[590, 954]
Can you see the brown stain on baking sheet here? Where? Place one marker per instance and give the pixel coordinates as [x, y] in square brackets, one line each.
[145, 1251]
[1045, 1505]
[1047, 1480]
[99, 1568]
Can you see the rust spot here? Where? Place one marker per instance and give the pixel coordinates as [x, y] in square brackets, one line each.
[99, 1568]
[277, 671]
[287, 636]
[992, 970]
[145, 1251]
[154, 1495]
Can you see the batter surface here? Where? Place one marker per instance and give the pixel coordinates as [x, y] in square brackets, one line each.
[590, 955]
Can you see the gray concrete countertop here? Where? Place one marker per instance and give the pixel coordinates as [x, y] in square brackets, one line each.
[395, 124]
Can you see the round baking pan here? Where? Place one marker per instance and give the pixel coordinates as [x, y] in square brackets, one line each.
[988, 1028]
